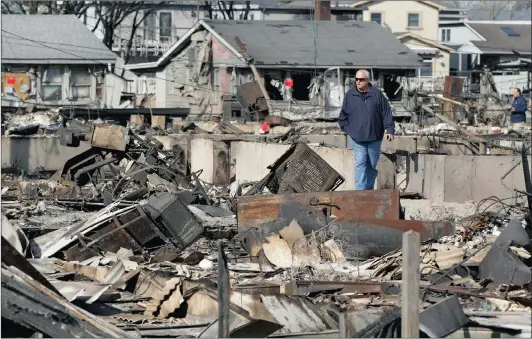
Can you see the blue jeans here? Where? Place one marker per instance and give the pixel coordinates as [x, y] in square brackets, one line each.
[366, 158]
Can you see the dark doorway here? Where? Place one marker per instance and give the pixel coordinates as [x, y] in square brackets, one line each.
[301, 82]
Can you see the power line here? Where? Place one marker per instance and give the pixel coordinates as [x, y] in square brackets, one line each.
[121, 68]
[219, 61]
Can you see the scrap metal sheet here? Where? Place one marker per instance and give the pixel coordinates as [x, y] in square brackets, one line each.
[347, 205]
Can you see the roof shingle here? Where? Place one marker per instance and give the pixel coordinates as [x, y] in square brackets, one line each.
[498, 41]
[348, 44]
[46, 39]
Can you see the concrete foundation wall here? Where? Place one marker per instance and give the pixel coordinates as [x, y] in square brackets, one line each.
[212, 157]
[28, 153]
[461, 178]
[253, 158]
[457, 178]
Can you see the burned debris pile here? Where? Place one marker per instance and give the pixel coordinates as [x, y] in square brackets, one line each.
[154, 252]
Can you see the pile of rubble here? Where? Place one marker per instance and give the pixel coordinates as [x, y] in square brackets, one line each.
[150, 251]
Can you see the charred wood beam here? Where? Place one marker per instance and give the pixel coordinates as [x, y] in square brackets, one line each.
[223, 293]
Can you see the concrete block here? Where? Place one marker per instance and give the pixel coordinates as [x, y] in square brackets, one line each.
[342, 160]
[386, 176]
[213, 158]
[413, 172]
[404, 144]
[327, 139]
[461, 178]
[254, 128]
[433, 176]
[479, 177]
[253, 158]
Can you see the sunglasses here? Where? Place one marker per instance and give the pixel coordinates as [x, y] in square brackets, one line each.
[360, 79]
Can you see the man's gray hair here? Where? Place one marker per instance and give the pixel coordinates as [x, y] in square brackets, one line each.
[366, 73]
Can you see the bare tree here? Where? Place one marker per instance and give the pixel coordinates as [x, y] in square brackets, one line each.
[495, 8]
[77, 8]
[109, 14]
[138, 19]
[227, 9]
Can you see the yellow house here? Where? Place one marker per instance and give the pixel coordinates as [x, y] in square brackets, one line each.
[436, 57]
[418, 17]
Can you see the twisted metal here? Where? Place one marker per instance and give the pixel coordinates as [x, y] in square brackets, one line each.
[312, 261]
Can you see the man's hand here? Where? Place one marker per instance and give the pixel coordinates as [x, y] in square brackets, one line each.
[513, 109]
[389, 137]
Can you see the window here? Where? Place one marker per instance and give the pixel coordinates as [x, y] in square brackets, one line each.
[80, 80]
[216, 85]
[446, 35]
[165, 25]
[51, 84]
[377, 17]
[149, 27]
[189, 76]
[509, 31]
[413, 20]
[426, 68]
[192, 55]
[146, 83]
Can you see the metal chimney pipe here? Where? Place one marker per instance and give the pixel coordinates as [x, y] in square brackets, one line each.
[322, 10]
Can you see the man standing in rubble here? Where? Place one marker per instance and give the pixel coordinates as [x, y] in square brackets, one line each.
[518, 110]
[366, 117]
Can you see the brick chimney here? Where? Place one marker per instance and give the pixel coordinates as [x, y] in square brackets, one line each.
[322, 10]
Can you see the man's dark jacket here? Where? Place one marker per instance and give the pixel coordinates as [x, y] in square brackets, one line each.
[519, 115]
[364, 117]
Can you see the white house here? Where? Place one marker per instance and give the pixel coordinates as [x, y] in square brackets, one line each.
[485, 42]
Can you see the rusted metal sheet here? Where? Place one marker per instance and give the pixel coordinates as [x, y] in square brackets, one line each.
[249, 94]
[452, 89]
[346, 205]
[110, 137]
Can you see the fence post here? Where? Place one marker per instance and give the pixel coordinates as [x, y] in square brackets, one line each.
[410, 286]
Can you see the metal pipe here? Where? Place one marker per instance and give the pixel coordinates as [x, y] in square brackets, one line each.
[454, 124]
[454, 102]
[223, 294]
[177, 112]
[93, 167]
[114, 230]
[507, 173]
[381, 236]
[528, 180]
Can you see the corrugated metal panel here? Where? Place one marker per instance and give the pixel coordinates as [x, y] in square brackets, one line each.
[295, 314]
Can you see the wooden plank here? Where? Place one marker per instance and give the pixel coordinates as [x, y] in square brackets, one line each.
[410, 286]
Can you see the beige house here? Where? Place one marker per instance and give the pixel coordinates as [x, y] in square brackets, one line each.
[436, 57]
[418, 17]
